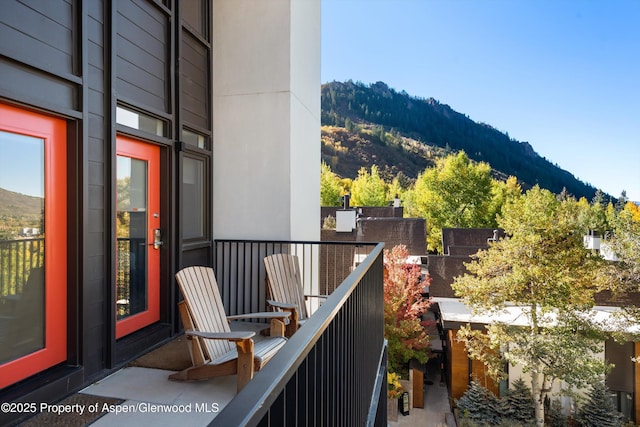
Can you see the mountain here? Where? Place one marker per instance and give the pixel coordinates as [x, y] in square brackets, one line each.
[16, 204]
[402, 134]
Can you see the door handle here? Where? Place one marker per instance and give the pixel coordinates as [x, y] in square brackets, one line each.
[157, 236]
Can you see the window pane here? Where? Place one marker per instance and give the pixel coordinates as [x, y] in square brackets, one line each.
[195, 139]
[21, 245]
[194, 15]
[131, 280]
[193, 198]
[143, 122]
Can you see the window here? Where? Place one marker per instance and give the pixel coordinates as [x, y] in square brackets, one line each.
[140, 121]
[193, 198]
[195, 139]
[33, 246]
[194, 14]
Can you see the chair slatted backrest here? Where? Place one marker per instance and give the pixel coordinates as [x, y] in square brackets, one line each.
[200, 291]
[284, 283]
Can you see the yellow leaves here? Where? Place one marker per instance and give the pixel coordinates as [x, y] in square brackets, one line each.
[394, 389]
[634, 210]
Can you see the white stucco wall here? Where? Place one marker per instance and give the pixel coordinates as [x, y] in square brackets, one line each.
[568, 405]
[266, 118]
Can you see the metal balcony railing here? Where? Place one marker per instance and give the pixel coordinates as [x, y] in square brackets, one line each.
[17, 259]
[332, 371]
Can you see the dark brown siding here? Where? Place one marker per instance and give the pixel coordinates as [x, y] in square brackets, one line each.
[194, 78]
[39, 33]
[20, 81]
[76, 59]
[97, 234]
[142, 54]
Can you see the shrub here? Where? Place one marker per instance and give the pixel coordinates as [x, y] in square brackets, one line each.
[556, 417]
[517, 404]
[598, 410]
[479, 405]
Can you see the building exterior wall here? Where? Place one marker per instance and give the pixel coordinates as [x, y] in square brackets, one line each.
[267, 117]
[259, 141]
[457, 367]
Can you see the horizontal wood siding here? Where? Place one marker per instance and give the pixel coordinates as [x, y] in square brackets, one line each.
[95, 314]
[479, 375]
[142, 54]
[194, 78]
[24, 83]
[39, 33]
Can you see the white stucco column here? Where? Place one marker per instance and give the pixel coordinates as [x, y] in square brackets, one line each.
[266, 119]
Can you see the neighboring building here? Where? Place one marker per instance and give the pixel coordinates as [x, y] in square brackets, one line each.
[459, 244]
[378, 224]
[372, 224]
[154, 127]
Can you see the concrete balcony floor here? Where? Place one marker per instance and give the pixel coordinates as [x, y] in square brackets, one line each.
[150, 399]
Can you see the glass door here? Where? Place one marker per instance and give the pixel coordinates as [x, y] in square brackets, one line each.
[138, 235]
[33, 243]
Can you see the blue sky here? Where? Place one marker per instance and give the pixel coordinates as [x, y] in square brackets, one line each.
[21, 164]
[563, 75]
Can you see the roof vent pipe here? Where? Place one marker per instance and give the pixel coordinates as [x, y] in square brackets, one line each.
[345, 201]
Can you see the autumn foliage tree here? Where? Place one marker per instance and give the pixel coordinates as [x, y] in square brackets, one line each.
[542, 267]
[369, 189]
[455, 193]
[330, 189]
[403, 307]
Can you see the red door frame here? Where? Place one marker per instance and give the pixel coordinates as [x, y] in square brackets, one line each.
[150, 153]
[54, 132]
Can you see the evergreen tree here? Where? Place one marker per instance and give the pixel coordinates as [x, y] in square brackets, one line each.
[556, 417]
[479, 404]
[518, 405]
[599, 410]
[622, 200]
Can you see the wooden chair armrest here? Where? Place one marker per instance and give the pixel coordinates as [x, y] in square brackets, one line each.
[283, 305]
[262, 315]
[229, 336]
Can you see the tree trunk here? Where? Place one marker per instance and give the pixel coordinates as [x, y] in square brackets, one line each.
[537, 385]
[538, 398]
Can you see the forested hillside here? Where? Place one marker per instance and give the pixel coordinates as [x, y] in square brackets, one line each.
[402, 134]
[18, 211]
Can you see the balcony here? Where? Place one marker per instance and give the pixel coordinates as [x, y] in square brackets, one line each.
[332, 371]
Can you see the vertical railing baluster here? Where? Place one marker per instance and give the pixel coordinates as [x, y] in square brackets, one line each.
[326, 386]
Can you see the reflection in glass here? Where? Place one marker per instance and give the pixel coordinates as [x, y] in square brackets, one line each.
[21, 245]
[140, 121]
[193, 198]
[194, 13]
[131, 228]
[195, 139]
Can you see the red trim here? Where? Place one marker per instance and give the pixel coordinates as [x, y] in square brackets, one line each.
[151, 154]
[54, 133]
